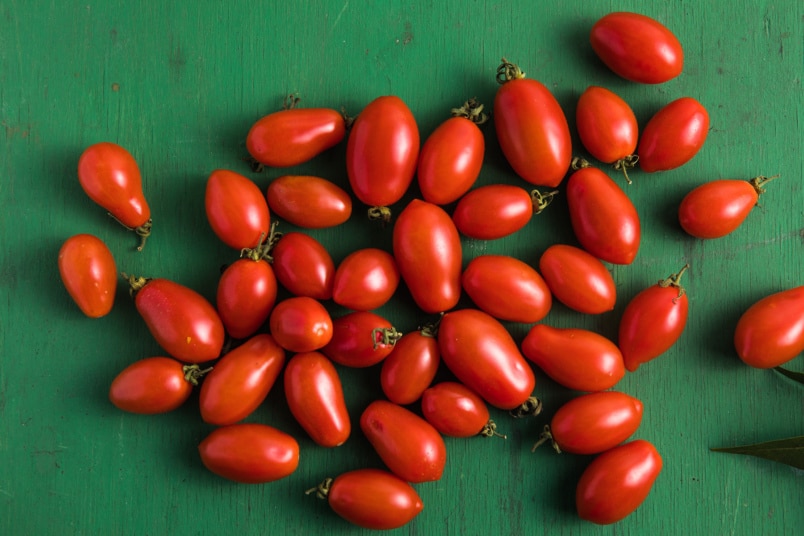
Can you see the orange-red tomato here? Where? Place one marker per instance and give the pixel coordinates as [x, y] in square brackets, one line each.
[303, 266]
[360, 339]
[89, 274]
[606, 125]
[578, 279]
[308, 201]
[236, 209]
[411, 366]
[365, 279]
[673, 136]
[456, 411]
[771, 332]
[246, 295]
[495, 211]
[301, 324]
[719, 207]
[153, 385]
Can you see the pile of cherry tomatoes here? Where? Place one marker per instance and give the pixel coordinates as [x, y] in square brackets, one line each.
[227, 350]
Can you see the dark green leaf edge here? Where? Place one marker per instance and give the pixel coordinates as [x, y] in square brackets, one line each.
[789, 451]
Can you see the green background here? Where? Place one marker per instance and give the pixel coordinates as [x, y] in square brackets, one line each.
[180, 83]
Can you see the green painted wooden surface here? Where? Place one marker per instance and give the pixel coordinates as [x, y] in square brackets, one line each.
[180, 83]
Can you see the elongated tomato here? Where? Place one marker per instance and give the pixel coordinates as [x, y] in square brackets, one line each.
[246, 295]
[360, 339]
[153, 385]
[771, 332]
[578, 279]
[607, 126]
[365, 279]
[303, 266]
[236, 209]
[411, 366]
[89, 274]
[309, 201]
[497, 210]
[457, 411]
[673, 136]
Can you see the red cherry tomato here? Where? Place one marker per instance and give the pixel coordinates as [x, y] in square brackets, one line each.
[427, 249]
[452, 156]
[236, 209]
[456, 411]
[411, 366]
[303, 266]
[617, 482]
[89, 274]
[410, 446]
[301, 324]
[603, 218]
[250, 453]
[483, 356]
[577, 279]
[497, 210]
[574, 358]
[308, 201]
[365, 279]
[360, 339]
[531, 128]
[507, 288]
[315, 396]
[246, 295]
[673, 135]
[637, 47]
[241, 380]
[153, 385]
[653, 321]
[607, 127]
[771, 332]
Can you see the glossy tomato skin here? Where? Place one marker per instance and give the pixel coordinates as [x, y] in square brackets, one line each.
[493, 211]
[303, 266]
[577, 359]
[617, 482]
[483, 356]
[673, 136]
[428, 252]
[240, 380]
[309, 201]
[382, 151]
[301, 324]
[595, 422]
[410, 367]
[89, 273]
[250, 453]
[637, 47]
[507, 288]
[717, 208]
[365, 279]
[606, 125]
[245, 296]
[455, 410]
[360, 339]
[151, 385]
[315, 396]
[771, 332]
[236, 209]
[578, 279]
[292, 137]
[410, 446]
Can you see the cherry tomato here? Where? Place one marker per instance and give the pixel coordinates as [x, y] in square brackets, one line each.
[315, 396]
[507, 288]
[153, 385]
[771, 332]
[236, 209]
[181, 320]
[410, 446]
[427, 249]
[607, 127]
[452, 156]
[483, 356]
[246, 295]
[89, 274]
[617, 482]
[365, 279]
[301, 324]
[308, 201]
[531, 127]
[577, 279]
[673, 135]
[411, 366]
[603, 218]
[637, 47]
[577, 359]
[497, 210]
[456, 411]
[653, 321]
[250, 453]
[303, 266]
[241, 380]
[360, 339]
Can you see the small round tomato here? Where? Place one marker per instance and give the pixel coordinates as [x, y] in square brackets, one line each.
[411, 366]
[410, 446]
[308, 201]
[303, 266]
[673, 135]
[360, 339]
[365, 279]
[250, 453]
[497, 210]
[246, 295]
[607, 127]
[577, 279]
[301, 324]
[236, 209]
[637, 47]
[617, 482]
[89, 274]
[153, 385]
[456, 411]
[771, 332]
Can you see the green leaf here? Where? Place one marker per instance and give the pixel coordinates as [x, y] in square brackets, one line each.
[793, 375]
[789, 451]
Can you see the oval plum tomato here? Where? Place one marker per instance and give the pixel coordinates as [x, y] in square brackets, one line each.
[653, 321]
[577, 359]
[497, 210]
[315, 397]
[365, 279]
[410, 446]
[617, 482]
[181, 320]
[456, 411]
[719, 207]
[111, 178]
[411, 366]
[771, 332]
[593, 423]
[241, 380]
[360, 339]
[246, 294]
[481, 353]
[250, 453]
[371, 498]
[293, 136]
[577, 279]
[303, 266]
[89, 274]
[236, 209]
[507, 288]
[603, 218]
[301, 324]
[382, 151]
[153, 385]
[531, 127]
[427, 249]
[452, 156]
[308, 201]
[637, 47]
[673, 135]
